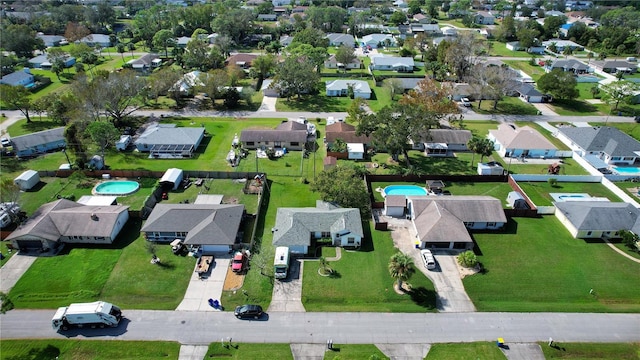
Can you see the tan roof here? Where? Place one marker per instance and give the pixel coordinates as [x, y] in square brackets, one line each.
[512, 137]
[465, 208]
[346, 132]
[395, 200]
[436, 224]
[67, 218]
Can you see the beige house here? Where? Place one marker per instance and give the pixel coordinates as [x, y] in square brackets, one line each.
[513, 141]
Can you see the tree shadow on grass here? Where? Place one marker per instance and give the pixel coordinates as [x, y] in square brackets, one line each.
[318, 103]
[47, 352]
[423, 297]
[578, 106]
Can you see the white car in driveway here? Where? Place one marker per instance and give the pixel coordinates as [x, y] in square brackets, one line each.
[428, 259]
[465, 102]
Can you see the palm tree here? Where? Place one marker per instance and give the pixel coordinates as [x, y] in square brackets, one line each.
[401, 268]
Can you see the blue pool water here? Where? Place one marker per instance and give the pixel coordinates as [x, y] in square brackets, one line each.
[575, 196]
[626, 170]
[406, 190]
[116, 187]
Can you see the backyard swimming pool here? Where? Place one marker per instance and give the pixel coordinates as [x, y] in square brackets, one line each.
[406, 190]
[116, 187]
[626, 170]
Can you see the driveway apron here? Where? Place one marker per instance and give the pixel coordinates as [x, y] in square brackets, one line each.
[197, 296]
[287, 293]
[13, 270]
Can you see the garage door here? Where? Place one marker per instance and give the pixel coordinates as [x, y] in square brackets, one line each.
[29, 244]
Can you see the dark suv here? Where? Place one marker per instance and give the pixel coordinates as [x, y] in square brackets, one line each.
[248, 311]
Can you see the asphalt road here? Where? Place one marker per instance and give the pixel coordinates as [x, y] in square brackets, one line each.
[344, 328]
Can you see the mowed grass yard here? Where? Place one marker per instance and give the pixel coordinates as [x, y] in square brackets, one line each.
[346, 290]
[120, 273]
[591, 351]
[539, 192]
[244, 351]
[89, 349]
[465, 351]
[535, 265]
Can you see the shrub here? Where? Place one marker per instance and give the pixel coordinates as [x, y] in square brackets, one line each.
[553, 182]
[468, 259]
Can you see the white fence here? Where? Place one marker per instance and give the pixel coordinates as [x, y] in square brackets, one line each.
[559, 178]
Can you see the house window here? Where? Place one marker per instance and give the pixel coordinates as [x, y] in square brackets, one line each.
[277, 144]
[491, 224]
[266, 143]
[325, 234]
[469, 224]
[351, 241]
[250, 143]
[295, 143]
[589, 233]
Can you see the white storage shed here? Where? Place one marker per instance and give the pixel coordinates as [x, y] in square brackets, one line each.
[516, 200]
[172, 177]
[27, 180]
[124, 142]
[356, 151]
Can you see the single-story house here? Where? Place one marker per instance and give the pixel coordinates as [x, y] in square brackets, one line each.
[145, 63]
[443, 142]
[461, 90]
[332, 63]
[607, 143]
[421, 18]
[575, 66]
[291, 135]
[338, 39]
[528, 93]
[39, 142]
[171, 179]
[43, 62]
[97, 40]
[182, 41]
[616, 66]
[484, 18]
[241, 59]
[377, 40]
[515, 46]
[392, 63]
[346, 132]
[188, 82]
[267, 17]
[410, 83]
[286, 40]
[27, 180]
[19, 78]
[444, 221]
[211, 227]
[512, 141]
[52, 40]
[98, 200]
[268, 90]
[449, 31]
[562, 44]
[361, 88]
[297, 227]
[428, 29]
[597, 219]
[169, 141]
[65, 221]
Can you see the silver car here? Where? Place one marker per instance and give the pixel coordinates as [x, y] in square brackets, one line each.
[428, 259]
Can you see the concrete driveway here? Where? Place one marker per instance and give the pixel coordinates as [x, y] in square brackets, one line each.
[268, 103]
[13, 270]
[451, 295]
[287, 293]
[197, 296]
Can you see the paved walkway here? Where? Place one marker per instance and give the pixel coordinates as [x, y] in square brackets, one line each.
[523, 351]
[308, 351]
[544, 109]
[197, 296]
[287, 293]
[13, 270]
[268, 104]
[405, 351]
[338, 255]
[618, 251]
[193, 352]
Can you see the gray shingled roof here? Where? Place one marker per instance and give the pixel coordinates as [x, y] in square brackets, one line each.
[528, 90]
[14, 77]
[448, 136]
[206, 224]
[67, 218]
[466, 208]
[38, 138]
[606, 139]
[437, 224]
[295, 225]
[600, 216]
[569, 64]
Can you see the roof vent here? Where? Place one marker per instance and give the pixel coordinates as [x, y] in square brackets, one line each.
[94, 217]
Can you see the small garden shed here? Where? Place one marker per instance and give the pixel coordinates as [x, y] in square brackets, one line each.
[27, 180]
[171, 179]
[516, 200]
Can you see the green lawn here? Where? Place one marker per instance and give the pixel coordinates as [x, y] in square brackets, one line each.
[569, 167]
[630, 188]
[353, 352]
[500, 49]
[576, 108]
[535, 71]
[591, 351]
[314, 103]
[480, 128]
[22, 127]
[535, 265]
[120, 273]
[509, 105]
[538, 192]
[346, 290]
[245, 351]
[465, 351]
[630, 128]
[88, 349]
